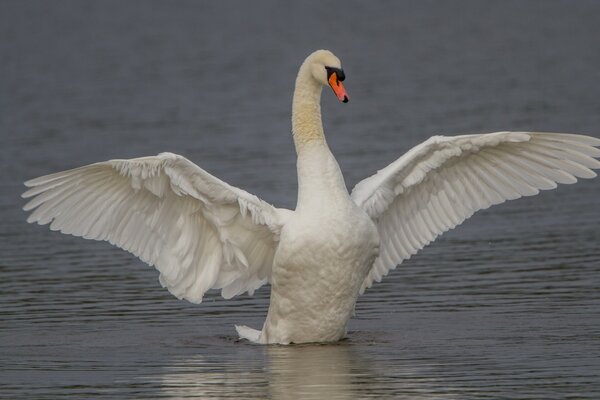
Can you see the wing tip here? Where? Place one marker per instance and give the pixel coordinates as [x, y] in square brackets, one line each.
[33, 182]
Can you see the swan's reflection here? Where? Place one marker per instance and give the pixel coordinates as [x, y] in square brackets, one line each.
[276, 372]
[312, 372]
[332, 371]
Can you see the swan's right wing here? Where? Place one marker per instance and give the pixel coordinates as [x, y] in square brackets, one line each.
[444, 180]
[198, 231]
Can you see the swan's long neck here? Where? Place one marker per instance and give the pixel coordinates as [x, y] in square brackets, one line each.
[320, 180]
[306, 110]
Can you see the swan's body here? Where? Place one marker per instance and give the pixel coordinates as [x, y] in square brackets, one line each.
[202, 233]
[325, 251]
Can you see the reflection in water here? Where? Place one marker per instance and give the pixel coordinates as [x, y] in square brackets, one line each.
[195, 378]
[284, 372]
[328, 371]
[314, 372]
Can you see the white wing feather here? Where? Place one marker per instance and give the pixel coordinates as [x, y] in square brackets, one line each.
[199, 232]
[444, 180]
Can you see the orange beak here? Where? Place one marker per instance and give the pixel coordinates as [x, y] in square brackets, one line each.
[338, 88]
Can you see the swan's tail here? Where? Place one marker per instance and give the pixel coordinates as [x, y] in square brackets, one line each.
[248, 333]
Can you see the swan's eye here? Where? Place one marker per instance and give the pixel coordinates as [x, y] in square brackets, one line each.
[338, 72]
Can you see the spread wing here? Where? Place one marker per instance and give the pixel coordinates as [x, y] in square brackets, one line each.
[198, 231]
[444, 180]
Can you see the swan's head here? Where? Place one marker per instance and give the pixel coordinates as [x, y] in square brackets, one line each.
[327, 70]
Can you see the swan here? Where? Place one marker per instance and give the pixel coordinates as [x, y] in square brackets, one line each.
[201, 233]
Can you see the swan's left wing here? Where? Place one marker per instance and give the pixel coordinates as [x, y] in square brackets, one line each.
[198, 231]
[444, 180]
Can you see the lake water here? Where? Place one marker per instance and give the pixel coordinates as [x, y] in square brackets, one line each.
[505, 306]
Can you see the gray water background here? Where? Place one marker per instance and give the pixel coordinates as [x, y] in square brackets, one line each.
[505, 306]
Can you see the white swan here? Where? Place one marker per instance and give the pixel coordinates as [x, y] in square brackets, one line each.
[201, 233]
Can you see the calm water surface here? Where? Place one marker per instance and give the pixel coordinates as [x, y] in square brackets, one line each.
[506, 306]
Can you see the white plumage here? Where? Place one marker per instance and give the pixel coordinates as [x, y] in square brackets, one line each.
[201, 233]
[444, 180]
[198, 231]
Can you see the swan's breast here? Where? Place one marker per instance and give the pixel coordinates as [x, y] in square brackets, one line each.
[326, 251]
[317, 273]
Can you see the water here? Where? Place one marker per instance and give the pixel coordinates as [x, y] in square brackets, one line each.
[506, 306]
